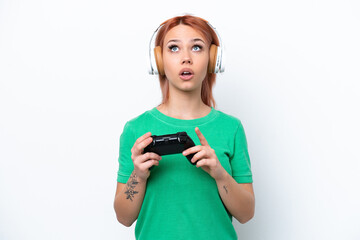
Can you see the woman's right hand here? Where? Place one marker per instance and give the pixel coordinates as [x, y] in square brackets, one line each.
[142, 162]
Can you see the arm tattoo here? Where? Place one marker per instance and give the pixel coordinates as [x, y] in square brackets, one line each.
[130, 187]
[225, 189]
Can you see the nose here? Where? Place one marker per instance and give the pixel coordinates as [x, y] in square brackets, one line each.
[186, 58]
[187, 61]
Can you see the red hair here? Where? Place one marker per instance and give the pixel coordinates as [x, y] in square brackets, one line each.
[208, 33]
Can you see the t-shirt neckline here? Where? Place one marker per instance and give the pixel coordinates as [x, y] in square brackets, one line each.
[183, 122]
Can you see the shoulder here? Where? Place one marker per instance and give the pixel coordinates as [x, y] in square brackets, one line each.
[228, 119]
[139, 119]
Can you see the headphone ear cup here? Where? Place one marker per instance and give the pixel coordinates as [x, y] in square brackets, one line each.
[212, 58]
[159, 60]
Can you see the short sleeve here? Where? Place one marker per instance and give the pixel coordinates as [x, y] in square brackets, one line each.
[126, 165]
[240, 160]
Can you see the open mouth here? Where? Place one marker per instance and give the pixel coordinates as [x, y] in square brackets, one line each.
[186, 74]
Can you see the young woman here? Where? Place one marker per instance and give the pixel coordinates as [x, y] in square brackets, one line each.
[176, 199]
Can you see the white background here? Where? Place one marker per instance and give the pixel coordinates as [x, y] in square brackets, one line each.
[73, 72]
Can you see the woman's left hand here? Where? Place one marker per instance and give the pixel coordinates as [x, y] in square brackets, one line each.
[205, 157]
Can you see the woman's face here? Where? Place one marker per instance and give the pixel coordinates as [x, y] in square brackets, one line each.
[185, 57]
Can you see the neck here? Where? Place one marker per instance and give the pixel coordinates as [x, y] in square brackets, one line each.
[184, 105]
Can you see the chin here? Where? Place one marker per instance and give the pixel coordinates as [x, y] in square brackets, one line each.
[191, 88]
[183, 85]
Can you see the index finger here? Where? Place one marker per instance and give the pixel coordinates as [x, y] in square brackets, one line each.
[201, 137]
[143, 137]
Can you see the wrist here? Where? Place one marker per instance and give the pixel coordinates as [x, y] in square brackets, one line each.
[139, 178]
[222, 175]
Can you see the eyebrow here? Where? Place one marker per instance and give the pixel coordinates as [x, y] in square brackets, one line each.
[192, 40]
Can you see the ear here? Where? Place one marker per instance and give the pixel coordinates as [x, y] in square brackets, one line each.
[212, 58]
[159, 60]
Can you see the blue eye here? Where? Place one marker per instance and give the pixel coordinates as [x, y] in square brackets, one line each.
[173, 48]
[197, 48]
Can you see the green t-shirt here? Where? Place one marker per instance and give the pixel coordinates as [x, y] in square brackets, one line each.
[182, 201]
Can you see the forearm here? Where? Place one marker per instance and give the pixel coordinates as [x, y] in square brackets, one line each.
[128, 201]
[239, 201]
